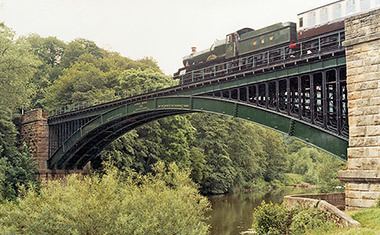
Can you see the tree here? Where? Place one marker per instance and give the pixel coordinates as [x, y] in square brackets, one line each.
[75, 49]
[137, 81]
[166, 140]
[17, 67]
[17, 168]
[81, 83]
[50, 51]
[92, 80]
[275, 155]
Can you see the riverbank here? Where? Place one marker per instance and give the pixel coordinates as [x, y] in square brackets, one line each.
[368, 218]
[232, 214]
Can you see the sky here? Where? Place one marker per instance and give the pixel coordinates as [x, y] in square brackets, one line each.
[162, 29]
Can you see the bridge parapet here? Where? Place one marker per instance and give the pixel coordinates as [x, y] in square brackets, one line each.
[362, 175]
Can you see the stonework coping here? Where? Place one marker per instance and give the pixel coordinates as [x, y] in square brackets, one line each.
[364, 176]
[338, 216]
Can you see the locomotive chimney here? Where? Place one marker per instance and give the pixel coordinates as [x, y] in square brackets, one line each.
[193, 50]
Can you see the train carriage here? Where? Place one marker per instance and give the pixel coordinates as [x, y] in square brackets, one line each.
[330, 17]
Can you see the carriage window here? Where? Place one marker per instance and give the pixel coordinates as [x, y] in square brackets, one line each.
[312, 19]
[324, 17]
[337, 11]
[365, 4]
[262, 41]
[254, 43]
[350, 6]
[271, 38]
[301, 22]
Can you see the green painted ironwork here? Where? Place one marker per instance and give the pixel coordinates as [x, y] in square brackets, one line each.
[304, 131]
[289, 72]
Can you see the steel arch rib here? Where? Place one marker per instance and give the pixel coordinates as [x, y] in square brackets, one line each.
[152, 109]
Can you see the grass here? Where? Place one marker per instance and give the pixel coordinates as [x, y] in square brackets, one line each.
[368, 218]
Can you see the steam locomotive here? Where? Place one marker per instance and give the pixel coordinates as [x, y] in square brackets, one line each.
[318, 29]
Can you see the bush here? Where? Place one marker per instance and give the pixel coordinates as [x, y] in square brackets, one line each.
[166, 203]
[271, 218]
[308, 219]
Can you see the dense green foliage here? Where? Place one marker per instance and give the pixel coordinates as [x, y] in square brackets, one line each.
[306, 164]
[274, 219]
[271, 218]
[309, 219]
[17, 66]
[164, 203]
[17, 169]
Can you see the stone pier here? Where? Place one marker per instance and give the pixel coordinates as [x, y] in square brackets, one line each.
[34, 131]
[362, 176]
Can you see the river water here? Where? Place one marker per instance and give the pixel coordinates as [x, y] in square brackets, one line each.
[232, 214]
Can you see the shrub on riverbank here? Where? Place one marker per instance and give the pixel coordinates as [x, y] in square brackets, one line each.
[271, 218]
[369, 220]
[164, 203]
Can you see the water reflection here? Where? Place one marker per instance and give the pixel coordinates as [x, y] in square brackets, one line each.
[232, 214]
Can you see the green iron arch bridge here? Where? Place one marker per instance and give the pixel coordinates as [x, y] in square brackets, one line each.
[304, 97]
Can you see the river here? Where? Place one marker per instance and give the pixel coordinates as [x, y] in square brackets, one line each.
[232, 214]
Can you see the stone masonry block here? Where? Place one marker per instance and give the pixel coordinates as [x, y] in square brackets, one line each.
[362, 195]
[372, 141]
[360, 203]
[357, 187]
[364, 164]
[366, 152]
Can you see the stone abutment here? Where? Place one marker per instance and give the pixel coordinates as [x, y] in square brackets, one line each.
[362, 175]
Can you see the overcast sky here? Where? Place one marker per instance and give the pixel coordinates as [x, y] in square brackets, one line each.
[162, 29]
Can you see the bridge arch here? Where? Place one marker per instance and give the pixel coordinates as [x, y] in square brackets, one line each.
[87, 142]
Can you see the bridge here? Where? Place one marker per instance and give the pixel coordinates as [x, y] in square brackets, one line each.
[302, 94]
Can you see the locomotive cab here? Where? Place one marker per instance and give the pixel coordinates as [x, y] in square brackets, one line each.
[231, 45]
[232, 40]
